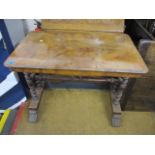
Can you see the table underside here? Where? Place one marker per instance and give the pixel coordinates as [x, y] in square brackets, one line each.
[36, 83]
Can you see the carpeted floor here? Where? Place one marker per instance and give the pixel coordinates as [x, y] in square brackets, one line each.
[83, 111]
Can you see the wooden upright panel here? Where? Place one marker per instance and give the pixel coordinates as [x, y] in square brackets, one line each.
[104, 25]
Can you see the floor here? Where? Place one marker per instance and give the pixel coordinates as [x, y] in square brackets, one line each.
[83, 111]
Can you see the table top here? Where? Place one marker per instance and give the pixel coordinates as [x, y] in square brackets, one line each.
[77, 53]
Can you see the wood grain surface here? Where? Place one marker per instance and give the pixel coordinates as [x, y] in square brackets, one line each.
[78, 53]
[104, 25]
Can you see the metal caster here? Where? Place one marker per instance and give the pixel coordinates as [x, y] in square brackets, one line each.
[32, 116]
[116, 120]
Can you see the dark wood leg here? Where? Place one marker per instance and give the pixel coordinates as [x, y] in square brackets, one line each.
[36, 89]
[117, 90]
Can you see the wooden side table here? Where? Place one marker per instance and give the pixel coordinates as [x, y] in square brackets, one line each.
[77, 56]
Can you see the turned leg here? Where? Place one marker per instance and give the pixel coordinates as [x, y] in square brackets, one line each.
[117, 90]
[31, 84]
[36, 89]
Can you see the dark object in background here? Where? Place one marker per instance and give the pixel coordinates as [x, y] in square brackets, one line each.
[150, 26]
[140, 29]
[142, 97]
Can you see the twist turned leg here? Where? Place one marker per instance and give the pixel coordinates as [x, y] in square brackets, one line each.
[36, 89]
[31, 84]
[117, 90]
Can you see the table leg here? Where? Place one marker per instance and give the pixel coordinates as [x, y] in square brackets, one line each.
[117, 90]
[36, 89]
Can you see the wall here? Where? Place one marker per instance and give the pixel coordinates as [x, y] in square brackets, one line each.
[18, 28]
[15, 29]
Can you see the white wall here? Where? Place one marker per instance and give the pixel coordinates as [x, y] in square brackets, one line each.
[18, 28]
[15, 29]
